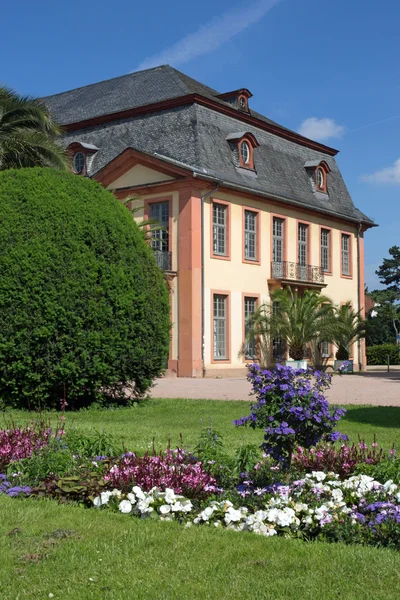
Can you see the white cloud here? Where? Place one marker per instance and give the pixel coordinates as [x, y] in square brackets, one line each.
[211, 35]
[390, 175]
[321, 129]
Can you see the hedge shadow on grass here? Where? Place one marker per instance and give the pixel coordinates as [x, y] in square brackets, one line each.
[379, 416]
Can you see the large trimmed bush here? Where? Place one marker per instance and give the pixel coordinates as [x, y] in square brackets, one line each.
[377, 355]
[84, 310]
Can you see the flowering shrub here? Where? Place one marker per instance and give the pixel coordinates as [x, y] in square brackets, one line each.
[173, 469]
[17, 443]
[292, 410]
[342, 461]
[319, 505]
[7, 488]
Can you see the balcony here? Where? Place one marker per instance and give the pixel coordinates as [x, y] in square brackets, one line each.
[291, 272]
[163, 259]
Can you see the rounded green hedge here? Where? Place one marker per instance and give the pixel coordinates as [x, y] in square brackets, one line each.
[84, 309]
[378, 355]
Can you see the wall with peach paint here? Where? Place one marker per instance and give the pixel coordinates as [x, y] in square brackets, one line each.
[238, 277]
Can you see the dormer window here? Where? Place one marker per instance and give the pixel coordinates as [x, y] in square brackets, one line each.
[245, 153]
[238, 98]
[243, 144]
[318, 171]
[82, 155]
[79, 163]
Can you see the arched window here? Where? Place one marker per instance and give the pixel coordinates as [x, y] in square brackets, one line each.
[79, 162]
[320, 179]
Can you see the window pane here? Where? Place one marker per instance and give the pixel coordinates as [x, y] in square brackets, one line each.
[325, 349]
[325, 250]
[345, 254]
[159, 213]
[219, 229]
[250, 235]
[250, 305]
[277, 246]
[220, 327]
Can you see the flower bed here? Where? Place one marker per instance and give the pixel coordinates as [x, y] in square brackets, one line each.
[317, 506]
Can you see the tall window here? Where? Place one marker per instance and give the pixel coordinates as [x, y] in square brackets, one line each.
[220, 326]
[325, 250]
[159, 213]
[346, 254]
[250, 235]
[302, 235]
[302, 244]
[325, 350]
[220, 212]
[277, 238]
[250, 347]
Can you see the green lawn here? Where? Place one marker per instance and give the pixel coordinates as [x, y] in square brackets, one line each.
[115, 556]
[164, 420]
[118, 557]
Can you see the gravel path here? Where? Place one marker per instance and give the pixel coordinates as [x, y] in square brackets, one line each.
[376, 388]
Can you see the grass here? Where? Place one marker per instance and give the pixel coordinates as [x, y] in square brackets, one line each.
[70, 552]
[75, 553]
[167, 420]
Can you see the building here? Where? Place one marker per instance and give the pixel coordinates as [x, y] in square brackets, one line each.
[246, 204]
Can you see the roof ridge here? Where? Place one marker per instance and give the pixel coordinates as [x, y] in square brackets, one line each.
[82, 87]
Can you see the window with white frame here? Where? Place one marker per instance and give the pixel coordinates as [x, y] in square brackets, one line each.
[346, 254]
[220, 212]
[325, 250]
[250, 235]
[250, 346]
[325, 353]
[159, 215]
[302, 244]
[220, 326]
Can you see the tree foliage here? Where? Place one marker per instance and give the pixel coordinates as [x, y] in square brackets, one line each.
[84, 310]
[28, 134]
[297, 319]
[350, 328]
[389, 271]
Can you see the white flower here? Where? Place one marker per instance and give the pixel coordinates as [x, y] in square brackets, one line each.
[318, 475]
[169, 496]
[232, 515]
[138, 492]
[337, 494]
[188, 524]
[186, 506]
[165, 509]
[131, 497]
[97, 501]
[125, 506]
[206, 513]
[390, 487]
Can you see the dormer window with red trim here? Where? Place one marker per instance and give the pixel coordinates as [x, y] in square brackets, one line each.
[81, 155]
[243, 145]
[318, 171]
[239, 99]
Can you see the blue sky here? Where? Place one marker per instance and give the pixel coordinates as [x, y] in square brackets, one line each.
[327, 69]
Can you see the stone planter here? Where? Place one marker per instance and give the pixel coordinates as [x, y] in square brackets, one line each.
[297, 364]
[339, 363]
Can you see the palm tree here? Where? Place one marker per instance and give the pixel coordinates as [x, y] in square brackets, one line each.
[350, 328]
[28, 134]
[296, 320]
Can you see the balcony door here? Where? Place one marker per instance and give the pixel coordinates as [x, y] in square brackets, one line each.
[302, 246]
[278, 247]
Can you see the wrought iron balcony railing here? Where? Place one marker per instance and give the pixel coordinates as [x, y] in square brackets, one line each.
[163, 259]
[294, 271]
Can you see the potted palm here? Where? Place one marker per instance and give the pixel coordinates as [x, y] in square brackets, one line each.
[296, 320]
[350, 328]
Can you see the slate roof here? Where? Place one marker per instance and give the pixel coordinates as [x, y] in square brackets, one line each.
[196, 136]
